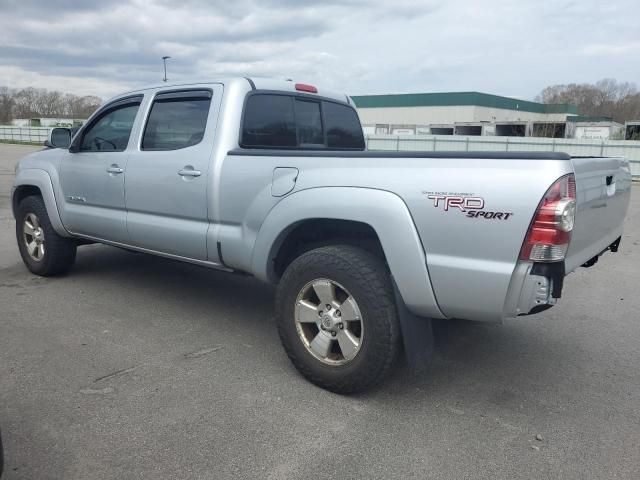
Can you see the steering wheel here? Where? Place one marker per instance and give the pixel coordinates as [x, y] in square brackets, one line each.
[98, 141]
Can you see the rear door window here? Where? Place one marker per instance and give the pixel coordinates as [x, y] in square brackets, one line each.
[177, 120]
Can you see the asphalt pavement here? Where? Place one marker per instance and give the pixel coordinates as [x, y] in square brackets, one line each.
[138, 367]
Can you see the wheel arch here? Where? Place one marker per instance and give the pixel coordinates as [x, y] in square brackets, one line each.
[34, 181]
[382, 215]
[317, 232]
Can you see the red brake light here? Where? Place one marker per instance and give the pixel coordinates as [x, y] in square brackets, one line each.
[303, 87]
[550, 232]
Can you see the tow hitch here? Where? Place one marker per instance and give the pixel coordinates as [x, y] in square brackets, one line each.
[613, 247]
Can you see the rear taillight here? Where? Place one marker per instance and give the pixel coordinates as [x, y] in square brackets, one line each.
[550, 232]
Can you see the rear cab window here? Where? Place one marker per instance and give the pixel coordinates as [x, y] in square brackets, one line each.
[269, 121]
[293, 121]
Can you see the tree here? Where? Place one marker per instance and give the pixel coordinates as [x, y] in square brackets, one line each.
[6, 106]
[33, 102]
[607, 97]
[88, 105]
[25, 103]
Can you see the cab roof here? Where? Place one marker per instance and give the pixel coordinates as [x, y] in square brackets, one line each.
[257, 83]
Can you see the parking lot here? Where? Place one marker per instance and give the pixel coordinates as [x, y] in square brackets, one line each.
[134, 366]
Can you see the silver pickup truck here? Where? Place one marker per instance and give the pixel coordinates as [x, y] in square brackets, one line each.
[271, 178]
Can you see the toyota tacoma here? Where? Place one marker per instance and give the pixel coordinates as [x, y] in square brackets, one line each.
[272, 178]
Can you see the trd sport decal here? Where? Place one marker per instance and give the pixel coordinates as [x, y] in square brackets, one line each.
[469, 204]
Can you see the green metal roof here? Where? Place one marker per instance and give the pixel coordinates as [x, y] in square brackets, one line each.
[449, 99]
[587, 118]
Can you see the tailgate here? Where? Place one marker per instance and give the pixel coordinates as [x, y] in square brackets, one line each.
[603, 189]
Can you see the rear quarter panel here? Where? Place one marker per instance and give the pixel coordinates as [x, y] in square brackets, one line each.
[469, 260]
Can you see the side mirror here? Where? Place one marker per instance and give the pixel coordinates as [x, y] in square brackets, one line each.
[59, 138]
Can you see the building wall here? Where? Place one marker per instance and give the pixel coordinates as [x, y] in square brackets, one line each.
[46, 122]
[451, 114]
[416, 115]
[502, 115]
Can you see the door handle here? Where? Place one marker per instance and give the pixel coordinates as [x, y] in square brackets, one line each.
[115, 169]
[611, 185]
[189, 172]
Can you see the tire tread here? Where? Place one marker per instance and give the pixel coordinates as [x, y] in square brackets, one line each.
[374, 277]
[60, 252]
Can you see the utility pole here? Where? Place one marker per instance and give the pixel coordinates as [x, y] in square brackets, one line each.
[164, 61]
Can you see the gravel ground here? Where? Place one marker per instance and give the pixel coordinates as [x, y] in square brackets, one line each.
[138, 367]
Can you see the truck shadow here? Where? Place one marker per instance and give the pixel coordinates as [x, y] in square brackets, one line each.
[166, 281]
[521, 353]
[503, 363]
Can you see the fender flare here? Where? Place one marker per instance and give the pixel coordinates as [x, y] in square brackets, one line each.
[35, 177]
[384, 211]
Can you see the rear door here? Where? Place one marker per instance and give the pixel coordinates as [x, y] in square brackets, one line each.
[167, 176]
[93, 172]
[603, 190]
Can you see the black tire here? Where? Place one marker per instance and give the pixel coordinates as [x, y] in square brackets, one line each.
[59, 252]
[366, 278]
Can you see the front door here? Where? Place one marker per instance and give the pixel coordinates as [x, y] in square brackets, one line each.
[93, 172]
[167, 177]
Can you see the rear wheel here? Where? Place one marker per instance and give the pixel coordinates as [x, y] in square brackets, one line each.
[337, 318]
[43, 251]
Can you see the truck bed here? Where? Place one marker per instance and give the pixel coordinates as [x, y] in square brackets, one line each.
[470, 261]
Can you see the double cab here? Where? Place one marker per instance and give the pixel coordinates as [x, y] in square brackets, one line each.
[272, 178]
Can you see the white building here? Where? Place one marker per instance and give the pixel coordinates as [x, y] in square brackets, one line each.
[47, 122]
[461, 113]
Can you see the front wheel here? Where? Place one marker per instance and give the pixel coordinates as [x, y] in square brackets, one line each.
[337, 318]
[43, 251]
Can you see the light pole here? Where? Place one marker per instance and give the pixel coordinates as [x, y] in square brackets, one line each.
[164, 61]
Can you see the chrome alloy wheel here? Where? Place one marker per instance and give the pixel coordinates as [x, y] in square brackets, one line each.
[33, 236]
[329, 322]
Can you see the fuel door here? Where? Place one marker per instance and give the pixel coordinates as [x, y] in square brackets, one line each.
[283, 181]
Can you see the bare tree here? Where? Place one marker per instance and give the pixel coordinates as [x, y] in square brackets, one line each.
[32, 102]
[607, 97]
[6, 105]
[25, 103]
[88, 105]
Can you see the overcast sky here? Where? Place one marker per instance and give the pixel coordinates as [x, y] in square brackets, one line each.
[512, 48]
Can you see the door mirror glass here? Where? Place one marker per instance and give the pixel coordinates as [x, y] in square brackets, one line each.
[59, 138]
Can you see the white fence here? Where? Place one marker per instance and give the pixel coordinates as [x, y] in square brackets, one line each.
[577, 147]
[24, 134]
